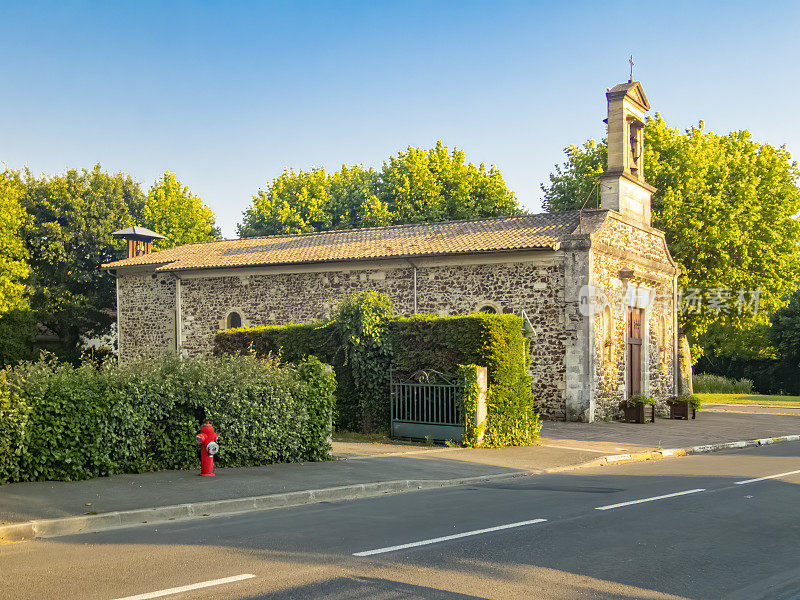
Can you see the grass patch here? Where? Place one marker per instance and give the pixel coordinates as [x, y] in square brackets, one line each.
[753, 399]
[716, 384]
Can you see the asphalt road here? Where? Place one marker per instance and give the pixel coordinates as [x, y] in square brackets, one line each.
[693, 527]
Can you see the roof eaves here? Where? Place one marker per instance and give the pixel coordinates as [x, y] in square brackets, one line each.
[168, 267]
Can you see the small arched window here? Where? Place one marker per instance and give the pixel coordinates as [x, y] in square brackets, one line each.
[488, 309]
[234, 320]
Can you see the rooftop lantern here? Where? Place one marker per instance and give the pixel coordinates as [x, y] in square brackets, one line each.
[140, 240]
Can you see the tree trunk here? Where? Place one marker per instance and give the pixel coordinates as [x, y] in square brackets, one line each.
[685, 387]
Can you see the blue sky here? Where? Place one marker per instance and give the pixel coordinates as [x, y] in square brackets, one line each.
[227, 94]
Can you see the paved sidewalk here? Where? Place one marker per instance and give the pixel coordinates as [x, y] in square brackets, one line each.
[563, 446]
[708, 428]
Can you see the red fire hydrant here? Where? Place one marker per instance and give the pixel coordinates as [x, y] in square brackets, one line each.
[207, 440]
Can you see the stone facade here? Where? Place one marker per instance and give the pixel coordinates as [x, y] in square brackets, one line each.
[145, 313]
[618, 246]
[532, 282]
[578, 360]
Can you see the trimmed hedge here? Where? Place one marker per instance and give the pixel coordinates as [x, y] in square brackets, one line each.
[496, 342]
[406, 344]
[293, 343]
[62, 422]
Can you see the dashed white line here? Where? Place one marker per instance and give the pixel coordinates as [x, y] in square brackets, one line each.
[187, 588]
[641, 500]
[448, 537]
[765, 478]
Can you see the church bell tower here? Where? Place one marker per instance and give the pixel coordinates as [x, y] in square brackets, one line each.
[623, 187]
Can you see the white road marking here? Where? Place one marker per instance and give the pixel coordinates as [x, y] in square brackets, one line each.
[187, 588]
[448, 537]
[764, 478]
[610, 506]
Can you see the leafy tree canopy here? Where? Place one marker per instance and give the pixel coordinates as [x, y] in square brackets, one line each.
[16, 321]
[726, 204]
[173, 211]
[415, 186]
[14, 269]
[785, 330]
[68, 237]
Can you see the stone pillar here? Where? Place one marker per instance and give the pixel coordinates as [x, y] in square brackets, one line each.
[481, 411]
[578, 397]
[685, 387]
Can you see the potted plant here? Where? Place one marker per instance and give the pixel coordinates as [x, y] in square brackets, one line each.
[684, 407]
[639, 409]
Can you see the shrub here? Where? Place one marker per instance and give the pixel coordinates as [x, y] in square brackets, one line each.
[494, 341]
[293, 343]
[638, 399]
[694, 401]
[362, 321]
[717, 384]
[69, 423]
[364, 341]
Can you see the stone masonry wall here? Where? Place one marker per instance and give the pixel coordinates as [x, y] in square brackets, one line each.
[275, 299]
[146, 312]
[616, 246]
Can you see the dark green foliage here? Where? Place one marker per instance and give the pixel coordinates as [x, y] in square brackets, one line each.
[494, 341]
[62, 422]
[634, 400]
[293, 343]
[362, 321]
[17, 331]
[769, 376]
[364, 340]
[694, 401]
[785, 329]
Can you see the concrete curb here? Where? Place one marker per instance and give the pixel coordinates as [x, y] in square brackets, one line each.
[670, 452]
[47, 528]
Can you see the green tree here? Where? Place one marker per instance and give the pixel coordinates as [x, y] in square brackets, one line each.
[173, 211]
[785, 330]
[16, 322]
[14, 269]
[726, 204]
[415, 186]
[67, 238]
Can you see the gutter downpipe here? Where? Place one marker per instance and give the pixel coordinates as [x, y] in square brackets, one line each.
[415, 284]
[178, 319]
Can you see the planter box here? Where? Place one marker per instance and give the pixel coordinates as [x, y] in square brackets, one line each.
[681, 410]
[640, 413]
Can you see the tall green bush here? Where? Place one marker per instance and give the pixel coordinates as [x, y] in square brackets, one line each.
[62, 422]
[363, 341]
[494, 341]
[362, 321]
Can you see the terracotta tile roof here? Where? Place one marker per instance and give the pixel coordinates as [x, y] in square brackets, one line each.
[448, 237]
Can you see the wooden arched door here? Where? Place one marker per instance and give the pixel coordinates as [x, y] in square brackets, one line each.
[634, 346]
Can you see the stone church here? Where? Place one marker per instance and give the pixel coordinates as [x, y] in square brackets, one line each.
[597, 288]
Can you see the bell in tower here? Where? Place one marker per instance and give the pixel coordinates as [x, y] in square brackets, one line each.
[623, 187]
